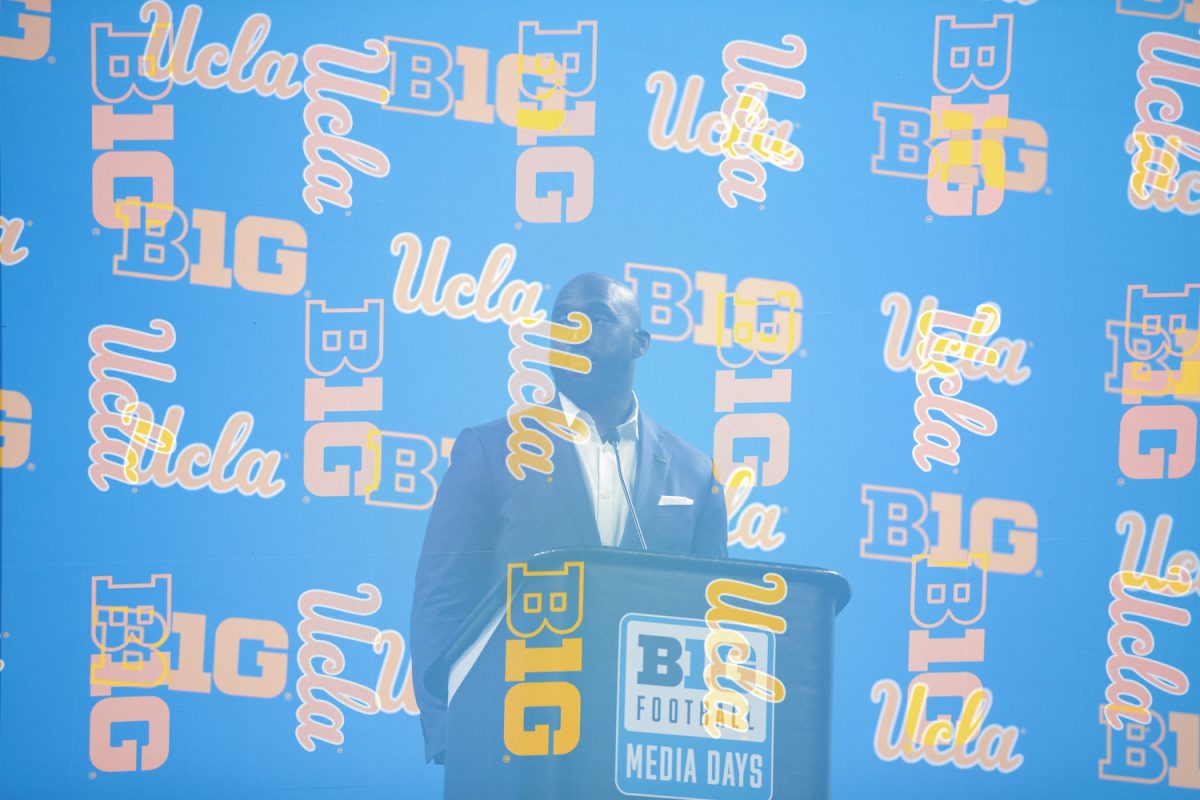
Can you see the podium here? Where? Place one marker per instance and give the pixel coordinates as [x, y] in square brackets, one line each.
[590, 673]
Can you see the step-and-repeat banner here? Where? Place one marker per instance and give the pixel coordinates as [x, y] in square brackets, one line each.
[923, 279]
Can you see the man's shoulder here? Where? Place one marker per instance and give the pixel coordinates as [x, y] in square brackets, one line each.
[683, 453]
[493, 429]
[490, 435]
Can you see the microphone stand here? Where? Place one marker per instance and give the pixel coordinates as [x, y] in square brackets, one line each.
[611, 439]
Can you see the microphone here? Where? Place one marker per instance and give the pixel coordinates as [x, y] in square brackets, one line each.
[610, 437]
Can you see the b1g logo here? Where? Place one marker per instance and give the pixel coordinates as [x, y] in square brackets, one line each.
[542, 716]
[1161, 9]
[762, 316]
[34, 41]
[663, 749]
[1156, 359]
[964, 151]
[342, 347]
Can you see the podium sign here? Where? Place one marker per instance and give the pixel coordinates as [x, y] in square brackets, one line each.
[601, 673]
[662, 747]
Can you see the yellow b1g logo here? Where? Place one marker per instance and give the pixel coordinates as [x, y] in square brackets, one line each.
[546, 605]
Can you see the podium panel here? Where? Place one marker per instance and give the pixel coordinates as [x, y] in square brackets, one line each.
[596, 673]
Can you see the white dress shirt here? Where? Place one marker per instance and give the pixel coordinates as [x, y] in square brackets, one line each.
[600, 469]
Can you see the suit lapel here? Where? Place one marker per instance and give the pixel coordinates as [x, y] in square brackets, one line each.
[652, 464]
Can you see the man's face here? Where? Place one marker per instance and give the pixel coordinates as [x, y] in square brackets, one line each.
[615, 341]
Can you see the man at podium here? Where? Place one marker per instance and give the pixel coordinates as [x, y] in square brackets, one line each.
[631, 484]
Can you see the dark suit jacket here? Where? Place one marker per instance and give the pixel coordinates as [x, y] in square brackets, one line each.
[484, 519]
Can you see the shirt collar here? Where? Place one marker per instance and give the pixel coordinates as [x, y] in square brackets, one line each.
[627, 430]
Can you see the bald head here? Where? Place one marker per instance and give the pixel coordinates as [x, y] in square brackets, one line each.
[616, 342]
[593, 288]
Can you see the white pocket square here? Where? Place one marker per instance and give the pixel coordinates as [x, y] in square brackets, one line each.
[674, 500]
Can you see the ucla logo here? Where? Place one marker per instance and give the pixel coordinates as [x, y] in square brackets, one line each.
[663, 749]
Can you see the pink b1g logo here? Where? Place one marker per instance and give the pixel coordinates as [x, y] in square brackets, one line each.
[1156, 354]
[343, 346]
[1161, 9]
[34, 41]
[16, 425]
[962, 150]
[530, 90]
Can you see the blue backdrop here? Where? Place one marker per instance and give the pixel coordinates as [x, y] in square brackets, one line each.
[244, 173]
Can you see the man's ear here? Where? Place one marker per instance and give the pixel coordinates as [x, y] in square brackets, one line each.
[641, 343]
